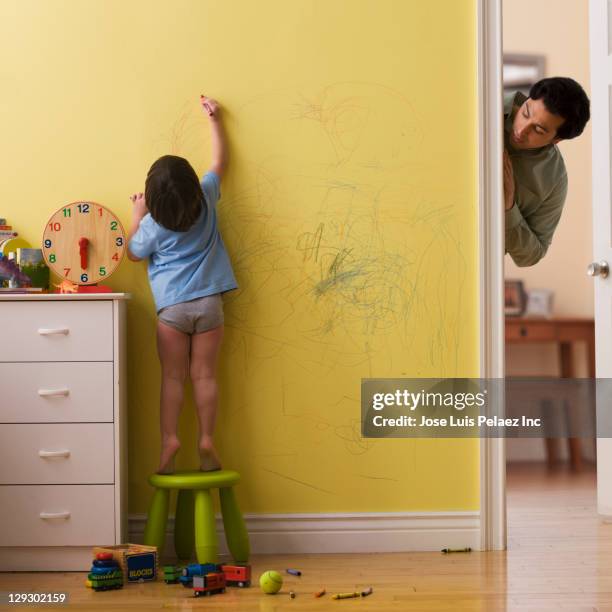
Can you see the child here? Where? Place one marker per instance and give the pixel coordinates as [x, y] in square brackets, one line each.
[175, 225]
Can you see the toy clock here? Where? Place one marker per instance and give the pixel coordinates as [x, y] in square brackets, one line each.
[83, 243]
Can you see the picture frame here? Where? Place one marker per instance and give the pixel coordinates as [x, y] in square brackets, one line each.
[514, 298]
[521, 71]
[539, 303]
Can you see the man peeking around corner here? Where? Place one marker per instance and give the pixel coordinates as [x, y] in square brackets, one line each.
[535, 179]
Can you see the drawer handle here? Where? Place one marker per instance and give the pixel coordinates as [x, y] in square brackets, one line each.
[53, 392]
[58, 453]
[43, 331]
[46, 516]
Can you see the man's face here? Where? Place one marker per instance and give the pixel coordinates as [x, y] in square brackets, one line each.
[534, 126]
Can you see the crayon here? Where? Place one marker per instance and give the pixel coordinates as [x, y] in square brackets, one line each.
[346, 595]
[294, 572]
[456, 550]
[292, 594]
[320, 593]
[210, 113]
[367, 592]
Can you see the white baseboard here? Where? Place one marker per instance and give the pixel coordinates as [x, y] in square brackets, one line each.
[345, 533]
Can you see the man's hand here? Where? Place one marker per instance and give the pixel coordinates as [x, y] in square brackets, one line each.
[211, 107]
[140, 208]
[508, 182]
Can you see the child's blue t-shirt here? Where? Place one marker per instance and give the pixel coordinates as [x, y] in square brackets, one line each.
[184, 266]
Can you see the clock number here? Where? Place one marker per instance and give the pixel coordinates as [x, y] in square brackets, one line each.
[47, 244]
[84, 278]
[113, 225]
[116, 257]
[67, 212]
[102, 271]
[66, 271]
[119, 241]
[52, 258]
[83, 208]
[55, 227]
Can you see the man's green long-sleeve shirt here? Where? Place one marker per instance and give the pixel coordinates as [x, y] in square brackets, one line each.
[540, 181]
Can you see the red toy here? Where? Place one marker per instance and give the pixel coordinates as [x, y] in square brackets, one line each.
[209, 584]
[237, 575]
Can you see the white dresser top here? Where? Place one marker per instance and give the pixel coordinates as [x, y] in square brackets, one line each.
[54, 297]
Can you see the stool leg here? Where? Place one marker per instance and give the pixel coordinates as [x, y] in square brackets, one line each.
[155, 530]
[205, 532]
[235, 530]
[183, 525]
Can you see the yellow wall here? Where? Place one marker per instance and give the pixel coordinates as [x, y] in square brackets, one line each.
[352, 126]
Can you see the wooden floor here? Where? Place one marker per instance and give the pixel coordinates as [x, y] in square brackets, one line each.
[559, 558]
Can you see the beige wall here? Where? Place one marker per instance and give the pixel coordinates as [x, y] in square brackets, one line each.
[557, 29]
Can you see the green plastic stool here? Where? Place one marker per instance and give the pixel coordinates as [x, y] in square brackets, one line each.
[195, 514]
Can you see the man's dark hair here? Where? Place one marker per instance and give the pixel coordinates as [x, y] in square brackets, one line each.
[564, 97]
[173, 193]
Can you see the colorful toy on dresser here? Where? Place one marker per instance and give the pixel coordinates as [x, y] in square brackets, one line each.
[10, 272]
[22, 268]
[6, 231]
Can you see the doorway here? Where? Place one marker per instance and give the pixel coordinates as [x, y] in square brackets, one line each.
[555, 295]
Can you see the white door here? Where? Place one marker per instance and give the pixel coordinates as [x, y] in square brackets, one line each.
[601, 109]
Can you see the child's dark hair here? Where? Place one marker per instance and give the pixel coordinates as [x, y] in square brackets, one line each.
[173, 193]
[564, 97]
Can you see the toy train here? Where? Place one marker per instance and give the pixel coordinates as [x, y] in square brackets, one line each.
[210, 584]
[172, 574]
[235, 575]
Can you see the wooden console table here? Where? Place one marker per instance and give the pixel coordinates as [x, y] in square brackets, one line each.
[565, 333]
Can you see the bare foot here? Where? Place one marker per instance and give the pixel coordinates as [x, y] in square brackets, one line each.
[169, 449]
[209, 460]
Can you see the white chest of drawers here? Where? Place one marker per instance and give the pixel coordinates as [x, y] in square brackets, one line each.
[63, 455]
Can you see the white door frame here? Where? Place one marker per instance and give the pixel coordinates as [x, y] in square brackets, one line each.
[491, 248]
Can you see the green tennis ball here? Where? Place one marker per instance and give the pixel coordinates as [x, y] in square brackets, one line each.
[271, 582]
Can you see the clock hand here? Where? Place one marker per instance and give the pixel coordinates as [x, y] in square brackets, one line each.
[83, 243]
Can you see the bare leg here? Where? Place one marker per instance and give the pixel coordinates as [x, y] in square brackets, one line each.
[173, 350]
[203, 372]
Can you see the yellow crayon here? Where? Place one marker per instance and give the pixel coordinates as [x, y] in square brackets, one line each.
[345, 595]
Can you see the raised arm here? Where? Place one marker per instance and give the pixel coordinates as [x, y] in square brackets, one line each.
[139, 210]
[219, 147]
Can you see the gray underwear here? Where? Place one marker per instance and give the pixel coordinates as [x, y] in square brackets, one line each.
[195, 316]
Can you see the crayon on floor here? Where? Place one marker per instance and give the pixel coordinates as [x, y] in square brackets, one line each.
[456, 550]
[346, 595]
